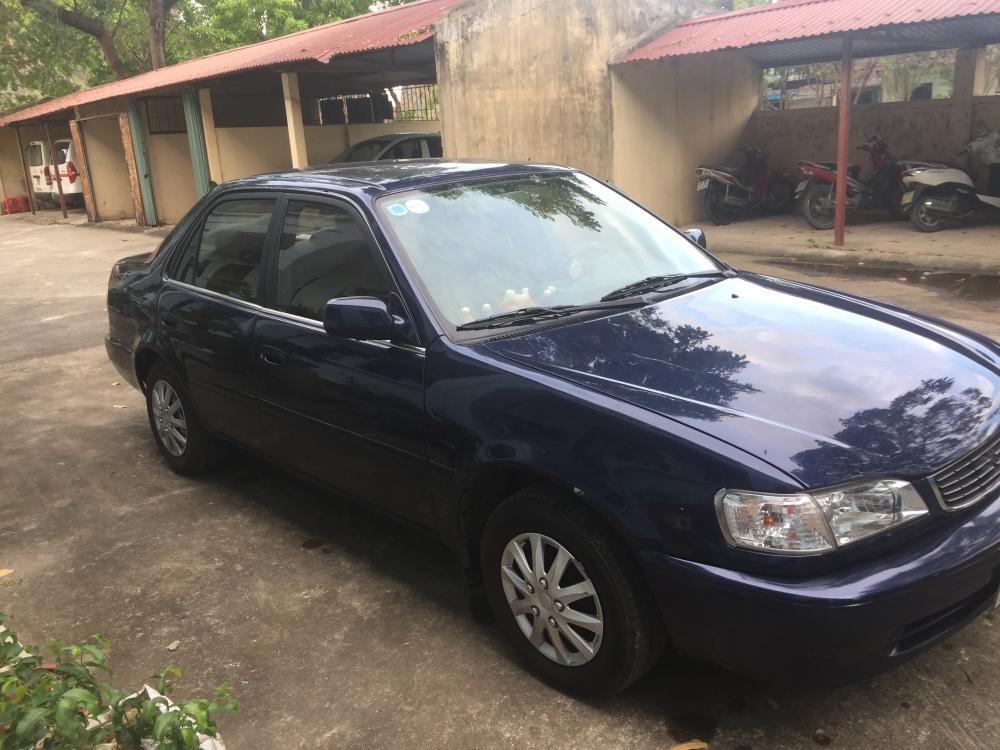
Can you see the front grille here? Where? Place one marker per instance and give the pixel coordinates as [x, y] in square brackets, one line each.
[970, 478]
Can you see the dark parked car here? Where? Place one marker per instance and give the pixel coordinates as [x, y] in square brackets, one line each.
[394, 146]
[630, 444]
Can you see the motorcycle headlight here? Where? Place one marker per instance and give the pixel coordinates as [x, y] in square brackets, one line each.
[819, 520]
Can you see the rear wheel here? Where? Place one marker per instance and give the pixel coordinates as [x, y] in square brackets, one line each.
[716, 207]
[924, 219]
[819, 205]
[567, 595]
[185, 445]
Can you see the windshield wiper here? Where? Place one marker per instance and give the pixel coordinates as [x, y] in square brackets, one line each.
[652, 283]
[527, 315]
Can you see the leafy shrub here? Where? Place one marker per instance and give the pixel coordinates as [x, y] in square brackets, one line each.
[65, 705]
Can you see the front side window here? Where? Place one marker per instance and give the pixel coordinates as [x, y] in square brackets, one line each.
[488, 247]
[324, 253]
[225, 257]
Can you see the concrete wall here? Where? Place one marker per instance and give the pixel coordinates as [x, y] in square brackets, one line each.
[672, 115]
[249, 151]
[172, 175]
[914, 130]
[11, 173]
[529, 79]
[108, 170]
[985, 114]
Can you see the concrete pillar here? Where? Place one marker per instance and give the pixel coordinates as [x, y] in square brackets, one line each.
[211, 140]
[293, 115]
[196, 143]
[970, 81]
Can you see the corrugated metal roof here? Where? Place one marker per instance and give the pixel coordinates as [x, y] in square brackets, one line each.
[394, 27]
[803, 19]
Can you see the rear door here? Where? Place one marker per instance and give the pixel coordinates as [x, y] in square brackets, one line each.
[349, 413]
[38, 166]
[208, 309]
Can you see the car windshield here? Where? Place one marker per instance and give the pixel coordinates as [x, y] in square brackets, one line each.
[62, 147]
[482, 249]
[364, 151]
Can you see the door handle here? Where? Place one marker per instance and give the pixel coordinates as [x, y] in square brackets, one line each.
[272, 356]
[169, 321]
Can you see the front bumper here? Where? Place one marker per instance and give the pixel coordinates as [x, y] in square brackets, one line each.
[841, 627]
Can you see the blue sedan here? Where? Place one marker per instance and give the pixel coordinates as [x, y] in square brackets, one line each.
[630, 445]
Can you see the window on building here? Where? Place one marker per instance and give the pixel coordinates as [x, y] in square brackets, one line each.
[323, 254]
[165, 115]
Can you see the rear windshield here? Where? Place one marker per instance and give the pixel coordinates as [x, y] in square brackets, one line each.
[62, 148]
[35, 155]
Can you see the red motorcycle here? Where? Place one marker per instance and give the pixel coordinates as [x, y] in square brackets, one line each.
[730, 192]
[883, 189]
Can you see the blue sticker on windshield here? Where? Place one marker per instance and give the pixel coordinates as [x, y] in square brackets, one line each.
[398, 209]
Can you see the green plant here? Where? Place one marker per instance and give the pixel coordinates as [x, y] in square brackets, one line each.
[65, 705]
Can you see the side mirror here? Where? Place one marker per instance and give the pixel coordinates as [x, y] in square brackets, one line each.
[361, 318]
[697, 236]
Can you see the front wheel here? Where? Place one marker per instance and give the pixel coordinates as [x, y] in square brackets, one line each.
[819, 205]
[567, 595]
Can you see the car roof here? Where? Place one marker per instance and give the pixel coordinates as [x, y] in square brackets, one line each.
[395, 137]
[385, 176]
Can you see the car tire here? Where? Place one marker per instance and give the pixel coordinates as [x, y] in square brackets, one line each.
[631, 634]
[185, 445]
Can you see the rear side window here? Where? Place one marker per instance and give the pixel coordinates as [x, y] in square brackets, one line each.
[324, 253]
[35, 155]
[225, 257]
[408, 149]
[434, 148]
[366, 151]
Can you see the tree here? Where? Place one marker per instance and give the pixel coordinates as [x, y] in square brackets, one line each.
[52, 47]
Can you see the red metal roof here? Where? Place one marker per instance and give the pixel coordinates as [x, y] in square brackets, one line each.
[394, 27]
[800, 19]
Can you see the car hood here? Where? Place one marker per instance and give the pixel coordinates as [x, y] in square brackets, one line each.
[824, 386]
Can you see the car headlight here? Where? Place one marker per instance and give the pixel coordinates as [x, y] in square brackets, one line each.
[819, 520]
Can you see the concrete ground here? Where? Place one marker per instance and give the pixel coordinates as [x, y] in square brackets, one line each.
[336, 628]
[972, 247]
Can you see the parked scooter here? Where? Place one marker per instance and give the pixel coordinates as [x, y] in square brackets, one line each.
[730, 192]
[883, 189]
[939, 196]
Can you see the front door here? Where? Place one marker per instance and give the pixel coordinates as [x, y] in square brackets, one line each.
[207, 313]
[349, 413]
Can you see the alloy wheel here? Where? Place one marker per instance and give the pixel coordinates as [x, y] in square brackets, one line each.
[169, 418]
[554, 602]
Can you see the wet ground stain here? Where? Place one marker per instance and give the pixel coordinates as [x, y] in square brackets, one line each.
[977, 287]
[692, 725]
